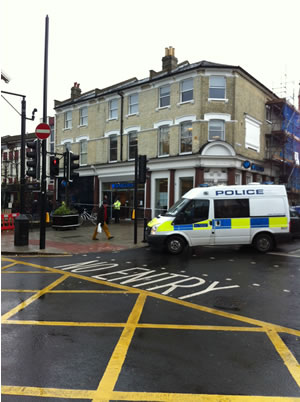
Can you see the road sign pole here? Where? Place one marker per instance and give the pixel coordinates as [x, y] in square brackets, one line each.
[44, 142]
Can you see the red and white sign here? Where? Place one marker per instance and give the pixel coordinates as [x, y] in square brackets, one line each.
[43, 131]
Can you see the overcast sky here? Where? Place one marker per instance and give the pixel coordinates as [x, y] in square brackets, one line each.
[99, 43]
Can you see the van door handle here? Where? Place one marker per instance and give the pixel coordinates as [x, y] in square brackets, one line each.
[217, 223]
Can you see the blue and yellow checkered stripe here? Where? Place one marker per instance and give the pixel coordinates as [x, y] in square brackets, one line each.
[237, 223]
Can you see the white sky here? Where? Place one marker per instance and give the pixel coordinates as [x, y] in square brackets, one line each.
[99, 43]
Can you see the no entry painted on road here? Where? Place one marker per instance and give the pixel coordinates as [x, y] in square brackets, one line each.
[43, 131]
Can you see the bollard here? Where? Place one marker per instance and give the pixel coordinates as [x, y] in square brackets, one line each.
[21, 230]
[145, 228]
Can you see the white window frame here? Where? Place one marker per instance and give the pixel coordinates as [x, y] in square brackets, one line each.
[129, 134]
[83, 117]
[83, 154]
[164, 96]
[252, 133]
[160, 128]
[115, 136]
[222, 131]
[113, 109]
[182, 123]
[68, 120]
[133, 105]
[182, 91]
[218, 87]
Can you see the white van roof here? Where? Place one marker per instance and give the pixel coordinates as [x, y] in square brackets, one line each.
[240, 191]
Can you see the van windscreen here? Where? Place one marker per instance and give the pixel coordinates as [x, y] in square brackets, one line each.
[177, 207]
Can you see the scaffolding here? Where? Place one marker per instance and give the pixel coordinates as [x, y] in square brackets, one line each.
[283, 143]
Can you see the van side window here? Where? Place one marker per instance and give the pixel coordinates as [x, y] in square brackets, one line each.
[194, 211]
[231, 208]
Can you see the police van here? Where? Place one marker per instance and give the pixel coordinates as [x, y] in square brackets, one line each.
[255, 214]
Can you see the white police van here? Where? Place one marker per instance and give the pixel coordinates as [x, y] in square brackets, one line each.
[255, 214]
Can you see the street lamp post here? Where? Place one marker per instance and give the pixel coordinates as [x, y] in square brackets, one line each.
[22, 222]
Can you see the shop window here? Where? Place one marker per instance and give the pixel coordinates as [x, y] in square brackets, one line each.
[186, 184]
[161, 196]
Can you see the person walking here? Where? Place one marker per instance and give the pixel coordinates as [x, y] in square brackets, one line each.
[117, 206]
[102, 218]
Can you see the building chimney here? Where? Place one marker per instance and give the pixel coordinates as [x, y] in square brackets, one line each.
[75, 91]
[169, 62]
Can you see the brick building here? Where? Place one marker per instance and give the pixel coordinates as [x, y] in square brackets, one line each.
[197, 123]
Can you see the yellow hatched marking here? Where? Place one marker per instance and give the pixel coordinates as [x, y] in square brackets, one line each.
[161, 397]
[20, 290]
[115, 364]
[8, 266]
[110, 377]
[286, 355]
[28, 272]
[138, 396]
[213, 311]
[33, 298]
[47, 392]
[65, 323]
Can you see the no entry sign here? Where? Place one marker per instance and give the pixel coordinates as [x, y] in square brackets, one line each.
[43, 131]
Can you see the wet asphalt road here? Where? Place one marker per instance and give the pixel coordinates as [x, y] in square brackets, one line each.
[143, 325]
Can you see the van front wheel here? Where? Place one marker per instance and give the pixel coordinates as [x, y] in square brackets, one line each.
[175, 244]
[264, 242]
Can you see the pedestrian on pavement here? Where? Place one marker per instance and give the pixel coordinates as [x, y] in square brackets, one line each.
[102, 218]
[117, 206]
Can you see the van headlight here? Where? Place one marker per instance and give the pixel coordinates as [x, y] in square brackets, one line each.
[154, 229]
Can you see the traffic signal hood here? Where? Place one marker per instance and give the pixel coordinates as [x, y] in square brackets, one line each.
[70, 166]
[142, 169]
[34, 162]
[54, 167]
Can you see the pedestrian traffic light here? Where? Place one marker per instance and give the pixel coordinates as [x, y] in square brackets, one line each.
[33, 163]
[54, 167]
[142, 169]
[70, 166]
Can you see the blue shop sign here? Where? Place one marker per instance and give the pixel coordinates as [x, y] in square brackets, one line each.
[257, 168]
[246, 164]
[122, 185]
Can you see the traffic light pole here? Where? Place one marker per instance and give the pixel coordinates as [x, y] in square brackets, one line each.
[44, 143]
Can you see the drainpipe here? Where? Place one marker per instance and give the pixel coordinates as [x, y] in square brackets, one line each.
[121, 126]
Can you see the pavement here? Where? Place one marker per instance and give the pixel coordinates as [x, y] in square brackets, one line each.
[75, 241]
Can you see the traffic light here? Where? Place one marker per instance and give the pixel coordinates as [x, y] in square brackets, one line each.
[142, 169]
[34, 162]
[54, 167]
[70, 166]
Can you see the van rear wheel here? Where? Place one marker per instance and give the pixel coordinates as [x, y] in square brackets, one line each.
[175, 244]
[264, 243]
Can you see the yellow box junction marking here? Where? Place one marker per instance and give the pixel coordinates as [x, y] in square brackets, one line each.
[105, 391]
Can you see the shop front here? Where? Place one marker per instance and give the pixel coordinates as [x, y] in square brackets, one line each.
[124, 191]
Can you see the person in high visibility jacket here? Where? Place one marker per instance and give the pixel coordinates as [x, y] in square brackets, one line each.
[117, 207]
